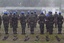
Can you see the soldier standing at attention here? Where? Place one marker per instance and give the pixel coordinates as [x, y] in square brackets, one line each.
[51, 22]
[32, 20]
[27, 16]
[55, 19]
[5, 22]
[10, 16]
[14, 25]
[23, 22]
[41, 22]
[5, 18]
[60, 22]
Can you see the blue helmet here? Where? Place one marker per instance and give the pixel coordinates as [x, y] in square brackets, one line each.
[22, 12]
[5, 12]
[59, 13]
[14, 13]
[55, 12]
[10, 13]
[34, 11]
[42, 13]
[28, 12]
[31, 12]
[50, 12]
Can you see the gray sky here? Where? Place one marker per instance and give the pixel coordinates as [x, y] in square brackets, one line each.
[30, 3]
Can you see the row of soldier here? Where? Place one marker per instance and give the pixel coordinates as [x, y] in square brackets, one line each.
[31, 19]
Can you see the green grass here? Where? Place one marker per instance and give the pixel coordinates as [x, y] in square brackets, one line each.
[32, 37]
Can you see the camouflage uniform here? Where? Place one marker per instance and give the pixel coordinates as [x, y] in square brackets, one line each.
[23, 22]
[41, 22]
[14, 23]
[55, 19]
[6, 22]
[60, 22]
[32, 21]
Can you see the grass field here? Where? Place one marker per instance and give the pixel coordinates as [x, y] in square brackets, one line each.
[32, 37]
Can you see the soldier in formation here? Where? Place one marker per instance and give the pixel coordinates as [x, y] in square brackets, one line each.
[31, 19]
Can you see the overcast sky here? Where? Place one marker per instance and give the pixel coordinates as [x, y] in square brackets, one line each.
[30, 3]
